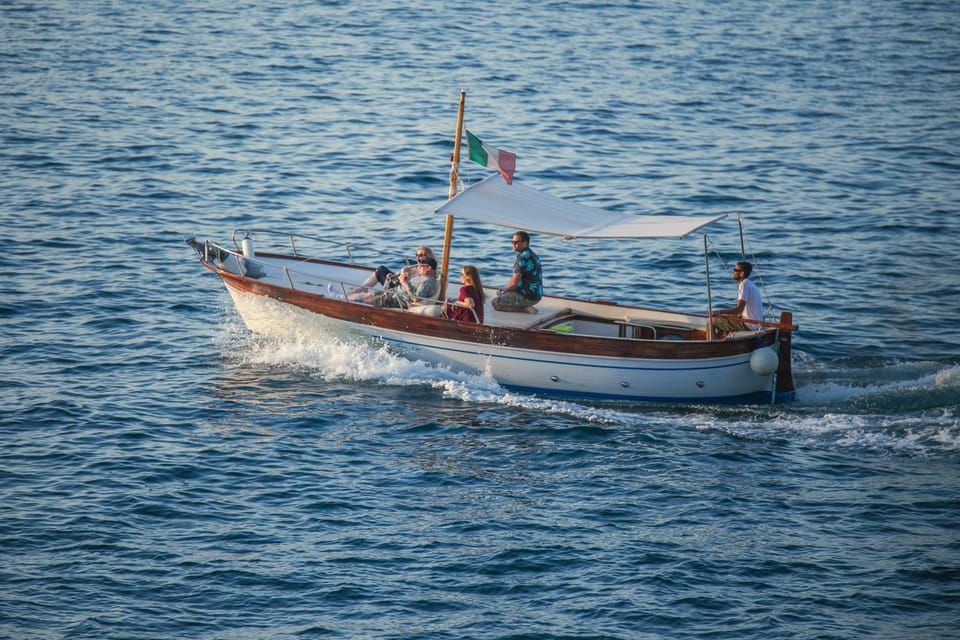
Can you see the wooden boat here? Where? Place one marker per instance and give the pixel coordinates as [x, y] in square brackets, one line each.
[570, 347]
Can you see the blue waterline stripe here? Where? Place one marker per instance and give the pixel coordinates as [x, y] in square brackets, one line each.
[595, 366]
[755, 396]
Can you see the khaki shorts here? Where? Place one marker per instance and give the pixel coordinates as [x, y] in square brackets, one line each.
[729, 326]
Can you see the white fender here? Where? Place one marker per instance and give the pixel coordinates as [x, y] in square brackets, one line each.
[764, 361]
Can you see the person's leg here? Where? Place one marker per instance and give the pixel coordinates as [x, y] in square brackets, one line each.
[380, 275]
[512, 301]
[723, 326]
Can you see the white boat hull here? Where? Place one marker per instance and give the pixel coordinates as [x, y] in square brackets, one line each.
[715, 379]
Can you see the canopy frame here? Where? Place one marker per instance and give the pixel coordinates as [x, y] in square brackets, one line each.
[515, 206]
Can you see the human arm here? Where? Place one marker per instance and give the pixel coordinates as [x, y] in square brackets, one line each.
[406, 290]
[465, 299]
[742, 294]
[468, 308]
[403, 271]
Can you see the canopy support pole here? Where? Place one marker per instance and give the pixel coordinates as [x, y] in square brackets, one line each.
[706, 260]
[454, 176]
[743, 253]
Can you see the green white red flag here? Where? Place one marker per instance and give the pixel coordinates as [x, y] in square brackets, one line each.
[503, 161]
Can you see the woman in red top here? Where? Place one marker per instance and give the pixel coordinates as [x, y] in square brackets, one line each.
[470, 300]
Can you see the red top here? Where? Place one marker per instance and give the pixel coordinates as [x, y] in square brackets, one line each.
[463, 314]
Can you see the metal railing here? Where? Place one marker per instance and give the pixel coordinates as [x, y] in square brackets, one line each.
[350, 250]
[233, 261]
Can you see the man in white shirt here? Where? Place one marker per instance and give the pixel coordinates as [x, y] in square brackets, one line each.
[749, 306]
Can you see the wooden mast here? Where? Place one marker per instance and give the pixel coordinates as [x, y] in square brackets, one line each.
[454, 176]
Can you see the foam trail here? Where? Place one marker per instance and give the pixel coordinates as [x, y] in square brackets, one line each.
[896, 381]
[344, 359]
[905, 408]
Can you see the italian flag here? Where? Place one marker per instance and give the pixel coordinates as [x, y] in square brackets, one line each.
[503, 161]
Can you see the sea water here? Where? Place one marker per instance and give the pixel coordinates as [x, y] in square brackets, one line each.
[166, 474]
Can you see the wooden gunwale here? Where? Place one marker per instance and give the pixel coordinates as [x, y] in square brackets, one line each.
[533, 339]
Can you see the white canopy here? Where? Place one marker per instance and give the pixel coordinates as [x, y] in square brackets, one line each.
[510, 205]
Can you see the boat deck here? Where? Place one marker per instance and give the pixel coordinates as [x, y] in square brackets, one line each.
[563, 315]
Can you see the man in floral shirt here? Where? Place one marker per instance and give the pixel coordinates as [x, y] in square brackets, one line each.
[526, 286]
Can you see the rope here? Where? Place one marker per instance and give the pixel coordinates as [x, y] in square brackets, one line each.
[770, 307]
[763, 287]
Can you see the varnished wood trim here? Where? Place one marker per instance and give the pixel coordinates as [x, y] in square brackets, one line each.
[536, 340]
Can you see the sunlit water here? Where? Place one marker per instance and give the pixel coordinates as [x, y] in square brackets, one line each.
[166, 474]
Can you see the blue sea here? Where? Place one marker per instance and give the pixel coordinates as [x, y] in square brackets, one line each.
[166, 474]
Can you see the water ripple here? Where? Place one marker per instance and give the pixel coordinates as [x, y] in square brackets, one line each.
[165, 474]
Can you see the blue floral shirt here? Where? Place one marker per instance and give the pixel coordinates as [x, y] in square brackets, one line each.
[531, 277]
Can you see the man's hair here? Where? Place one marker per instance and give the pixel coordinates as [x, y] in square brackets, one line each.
[524, 236]
[746, 267]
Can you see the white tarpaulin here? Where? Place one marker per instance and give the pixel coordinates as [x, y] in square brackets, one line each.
[494, 202]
